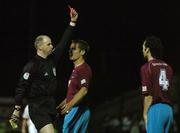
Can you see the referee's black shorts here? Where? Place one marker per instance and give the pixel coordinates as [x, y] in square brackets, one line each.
[42, 111]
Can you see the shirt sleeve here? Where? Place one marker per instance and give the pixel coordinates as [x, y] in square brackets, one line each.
[24, 82]
[84, 78]
[145, 81]
[61, 46]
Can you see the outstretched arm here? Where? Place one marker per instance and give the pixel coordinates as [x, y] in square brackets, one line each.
[58, 51]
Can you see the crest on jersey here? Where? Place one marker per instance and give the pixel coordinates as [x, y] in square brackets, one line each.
[83, 81]
[26, 76]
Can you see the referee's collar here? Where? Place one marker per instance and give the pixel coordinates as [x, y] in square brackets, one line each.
[40, 58]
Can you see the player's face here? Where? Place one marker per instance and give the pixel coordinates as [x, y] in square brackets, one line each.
[74, 52]
[144, 50]
[47, 46]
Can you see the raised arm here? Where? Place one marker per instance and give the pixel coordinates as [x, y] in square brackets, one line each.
[59, 49]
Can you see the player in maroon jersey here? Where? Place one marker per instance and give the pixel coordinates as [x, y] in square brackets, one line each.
[75, 106]
[156, 78]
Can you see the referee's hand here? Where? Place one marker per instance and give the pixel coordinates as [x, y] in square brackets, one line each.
[15, 118]
[73, 14]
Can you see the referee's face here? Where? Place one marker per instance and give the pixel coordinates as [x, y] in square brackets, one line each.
[47, 46]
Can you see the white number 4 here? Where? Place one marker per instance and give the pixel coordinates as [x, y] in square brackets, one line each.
[163, 81]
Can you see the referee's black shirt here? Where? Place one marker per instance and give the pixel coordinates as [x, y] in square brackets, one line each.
[38, 78]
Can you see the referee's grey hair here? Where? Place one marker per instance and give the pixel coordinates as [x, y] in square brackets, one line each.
[39, 40]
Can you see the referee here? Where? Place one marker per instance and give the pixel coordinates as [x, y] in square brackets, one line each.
[38, 80]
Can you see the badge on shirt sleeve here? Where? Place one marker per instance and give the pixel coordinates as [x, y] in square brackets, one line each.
[83, 81]
[26, 76]
[144, 88]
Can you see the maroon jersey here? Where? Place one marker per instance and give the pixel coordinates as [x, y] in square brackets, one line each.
[80, 77]
[156, 78]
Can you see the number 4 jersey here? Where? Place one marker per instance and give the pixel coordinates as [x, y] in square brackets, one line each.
[156, 78]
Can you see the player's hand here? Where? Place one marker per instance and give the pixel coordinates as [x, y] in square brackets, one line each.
[61, 105]
[73, 14]
[66, 109]
[145, 119]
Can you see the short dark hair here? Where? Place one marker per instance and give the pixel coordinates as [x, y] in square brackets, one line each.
[155, 46]
[83, 45]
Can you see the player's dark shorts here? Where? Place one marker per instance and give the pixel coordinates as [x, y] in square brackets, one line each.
[42, 111]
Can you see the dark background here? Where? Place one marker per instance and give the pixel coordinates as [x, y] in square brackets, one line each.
[114, 29]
